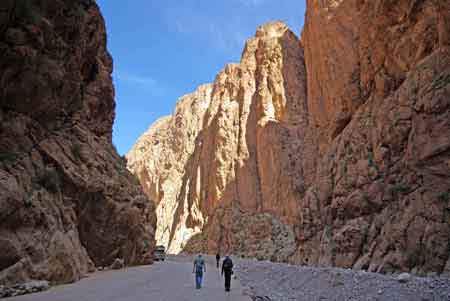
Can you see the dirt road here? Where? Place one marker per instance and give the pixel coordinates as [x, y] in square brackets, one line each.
[171, 280]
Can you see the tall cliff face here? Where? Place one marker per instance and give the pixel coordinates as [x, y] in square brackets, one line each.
[329, 151]
[159, 159]
[378, 100]
[356, 50]
[225, 140]
[67, 202]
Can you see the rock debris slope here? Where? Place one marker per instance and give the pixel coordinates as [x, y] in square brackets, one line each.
[67, 201]
[278, 281]
[332, 151]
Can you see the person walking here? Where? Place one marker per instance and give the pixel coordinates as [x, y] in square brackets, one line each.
[217, 259]
[199, 268]
[227, 270]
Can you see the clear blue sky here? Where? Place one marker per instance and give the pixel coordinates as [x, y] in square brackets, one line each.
[163, 49]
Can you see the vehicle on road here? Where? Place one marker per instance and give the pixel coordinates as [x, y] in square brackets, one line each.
[160, 253]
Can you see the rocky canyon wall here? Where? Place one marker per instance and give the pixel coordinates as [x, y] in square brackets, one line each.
[225, 141]
[67, 201]
[159, 160]
[378, 95]
[332, 150]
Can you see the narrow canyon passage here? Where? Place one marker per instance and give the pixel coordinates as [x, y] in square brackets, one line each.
[319, 160]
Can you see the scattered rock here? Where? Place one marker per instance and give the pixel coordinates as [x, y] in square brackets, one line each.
[117, 264]
[24, 288]
[289, 282]
[403, 277]
[432, 274]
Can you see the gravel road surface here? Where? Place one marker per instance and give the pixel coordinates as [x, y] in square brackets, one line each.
[282, 282]
[171, 280]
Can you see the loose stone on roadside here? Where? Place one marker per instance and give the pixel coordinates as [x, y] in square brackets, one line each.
[118, 264]
[403, 277]
[24, 288]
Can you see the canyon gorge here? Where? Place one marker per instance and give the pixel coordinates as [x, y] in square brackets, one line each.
[328, 149]
[332, 149]
[67, 202]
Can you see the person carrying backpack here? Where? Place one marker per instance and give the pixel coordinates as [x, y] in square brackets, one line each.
[199, 268]
[227, 270]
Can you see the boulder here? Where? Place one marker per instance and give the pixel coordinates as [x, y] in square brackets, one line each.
[117, 264]
[403, 277]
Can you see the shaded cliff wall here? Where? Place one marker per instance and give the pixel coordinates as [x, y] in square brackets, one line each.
[67, 201]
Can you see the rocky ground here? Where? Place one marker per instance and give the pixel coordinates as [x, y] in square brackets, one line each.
[256, 280]
[272, 281]
[23, 288]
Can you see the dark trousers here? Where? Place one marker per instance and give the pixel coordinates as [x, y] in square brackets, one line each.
[227, 280]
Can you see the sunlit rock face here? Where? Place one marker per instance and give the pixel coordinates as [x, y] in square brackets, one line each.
[67, 201]
[356, 50]
[333, 150]
[225, 141]
[160, 158]
[379, 111]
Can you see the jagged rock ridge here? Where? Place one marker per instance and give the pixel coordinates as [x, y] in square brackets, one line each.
[67, 201]
[343, 138]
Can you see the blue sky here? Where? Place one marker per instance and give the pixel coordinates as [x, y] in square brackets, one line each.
[163, 49]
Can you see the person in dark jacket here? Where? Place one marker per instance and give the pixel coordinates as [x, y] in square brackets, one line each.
[217, 259]
[227, 271]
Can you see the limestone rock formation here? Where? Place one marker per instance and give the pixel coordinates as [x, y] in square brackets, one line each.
[253, 235]
[382, 183]
[342, 137]
[159, 160]
[67, 201]
[356, 50]
[225, 140]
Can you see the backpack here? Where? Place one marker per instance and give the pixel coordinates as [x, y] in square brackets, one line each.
[227, 264]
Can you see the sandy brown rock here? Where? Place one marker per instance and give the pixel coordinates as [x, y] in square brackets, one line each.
[159, 160]
[355, 50]
[343, 137]
[245, 234]
[225, 142]
[382, 194]
[67, 202]
[382, 185]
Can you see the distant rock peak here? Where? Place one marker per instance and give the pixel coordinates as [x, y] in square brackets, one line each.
[274, 29]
